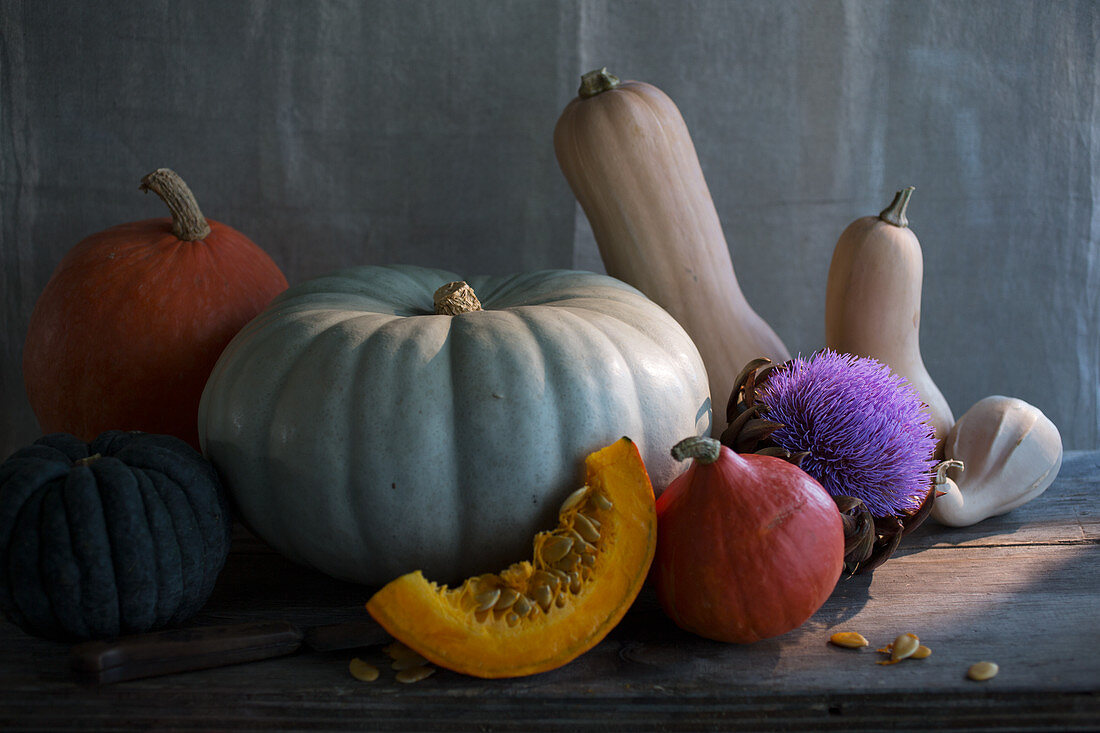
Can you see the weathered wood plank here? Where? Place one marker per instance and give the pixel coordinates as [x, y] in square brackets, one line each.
[1067, 512]
[1028, 604]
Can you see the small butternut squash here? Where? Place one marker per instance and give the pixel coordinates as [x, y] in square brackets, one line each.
[873, 297]
[626, 152]
[1002, 453]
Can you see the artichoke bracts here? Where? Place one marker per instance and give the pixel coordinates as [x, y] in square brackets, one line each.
[855, 427]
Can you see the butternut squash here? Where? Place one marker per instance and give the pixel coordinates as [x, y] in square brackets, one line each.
[873, 298]
[626, 152]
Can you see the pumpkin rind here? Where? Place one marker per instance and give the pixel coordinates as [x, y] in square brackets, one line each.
[749, 547]
[438, 623]
[362, 434]
[127, 329]
[123, 535]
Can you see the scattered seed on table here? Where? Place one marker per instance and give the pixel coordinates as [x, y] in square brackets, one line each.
[921, 652]
[901, 648]
[361, 670]
[849, 639]
[414, 674]
[982, 671]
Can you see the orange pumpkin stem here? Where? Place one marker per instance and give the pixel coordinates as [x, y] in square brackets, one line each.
[895, 212]
[702, 448]
[188, 223]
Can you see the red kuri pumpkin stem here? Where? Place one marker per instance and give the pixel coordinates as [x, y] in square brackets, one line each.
[188, 223]
[702, 448]
[895, 212]
[595, 82]
[454, 298]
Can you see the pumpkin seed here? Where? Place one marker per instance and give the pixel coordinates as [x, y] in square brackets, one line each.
[414, 674]
[363, 671]
[512, 618]
[574, 583]
[904, 646]
[982, 671]
[411, 662]
[580, 543]
[522, 606]
[601, 501]
[921, 652]
[545, 577]
[483, 616]
[595, 522]
[556, 548]
[560, 601]
[849, 639]
[569, 562]
[543, 596]
[585, 528]
[901, 648]
[507, 598]
[573, 499]
[487, 599]
[397, 650]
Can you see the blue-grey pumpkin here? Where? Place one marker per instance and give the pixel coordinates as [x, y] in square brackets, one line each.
[366, 430]
[121, 535]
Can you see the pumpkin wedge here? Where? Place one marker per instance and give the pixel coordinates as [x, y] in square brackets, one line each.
[539, 614]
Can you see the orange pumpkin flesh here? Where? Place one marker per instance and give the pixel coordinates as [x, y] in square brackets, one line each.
[586, 598]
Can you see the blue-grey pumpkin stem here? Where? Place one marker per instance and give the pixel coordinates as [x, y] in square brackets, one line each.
[702, 448]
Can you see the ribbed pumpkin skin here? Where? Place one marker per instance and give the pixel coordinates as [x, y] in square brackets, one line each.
[133, 319]
[748, 548]
[362, 434]
[129, 542]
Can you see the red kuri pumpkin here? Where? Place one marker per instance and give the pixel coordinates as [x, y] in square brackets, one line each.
[748, 546]
[129, 326]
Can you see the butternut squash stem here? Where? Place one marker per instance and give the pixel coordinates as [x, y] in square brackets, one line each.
[702, 448]
[455, 298]
[895, 212]
[595, 82]
[188, 223]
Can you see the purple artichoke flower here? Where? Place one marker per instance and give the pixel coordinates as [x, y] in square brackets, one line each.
[861, 425]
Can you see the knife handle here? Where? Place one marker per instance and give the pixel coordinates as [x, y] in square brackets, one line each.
[182, 650]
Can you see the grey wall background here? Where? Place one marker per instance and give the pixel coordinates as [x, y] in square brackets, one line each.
[340, 133]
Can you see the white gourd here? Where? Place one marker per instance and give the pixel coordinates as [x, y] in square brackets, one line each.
[1011, 453]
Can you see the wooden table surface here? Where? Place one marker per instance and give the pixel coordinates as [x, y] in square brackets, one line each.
[1022, 590]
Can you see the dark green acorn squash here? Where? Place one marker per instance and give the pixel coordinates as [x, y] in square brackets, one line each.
[121, 535]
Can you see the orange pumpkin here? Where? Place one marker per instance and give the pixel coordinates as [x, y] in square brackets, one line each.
[131, 322]
[748, 546]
